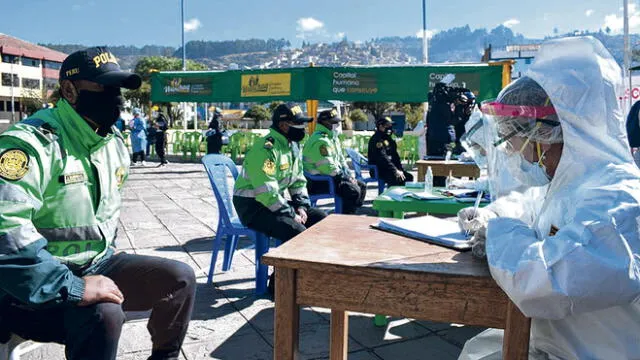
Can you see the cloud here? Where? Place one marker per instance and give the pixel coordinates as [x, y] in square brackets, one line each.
[430, 33]
[340, 35]
[615, 22]
[309, 24]
[511, 23]
[589, 12]
[192, 25]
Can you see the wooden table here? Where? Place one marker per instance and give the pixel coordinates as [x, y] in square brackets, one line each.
[388, 207]
[344, 265]
[442, 168]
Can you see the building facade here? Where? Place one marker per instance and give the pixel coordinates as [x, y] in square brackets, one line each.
[28, 76]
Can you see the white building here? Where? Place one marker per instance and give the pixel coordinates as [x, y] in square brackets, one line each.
[26, 70]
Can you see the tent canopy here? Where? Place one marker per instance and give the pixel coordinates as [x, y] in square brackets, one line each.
[374, 84]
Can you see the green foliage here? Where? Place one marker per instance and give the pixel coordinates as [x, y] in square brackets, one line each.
[377, 109]
[412, 111]
[32, 100]
[357, 115]
[258, 113]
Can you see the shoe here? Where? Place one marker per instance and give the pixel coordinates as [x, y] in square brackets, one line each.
[142, 163]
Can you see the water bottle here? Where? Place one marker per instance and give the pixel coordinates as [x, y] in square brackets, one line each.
[449, 180]
[428, 181]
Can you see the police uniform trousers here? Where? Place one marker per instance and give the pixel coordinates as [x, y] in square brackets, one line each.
[257, 217]
[352, 194]
[160, 144]
[166, 287]
[214, 143]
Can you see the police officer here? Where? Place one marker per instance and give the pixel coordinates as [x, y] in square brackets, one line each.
[214, 134]
[161, 134]
[322, 155]
[383, 152]
[61, 177]
[272, 166]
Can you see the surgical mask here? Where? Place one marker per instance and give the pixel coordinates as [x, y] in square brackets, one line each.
[526, 172]
[103, 107]
[295, 133]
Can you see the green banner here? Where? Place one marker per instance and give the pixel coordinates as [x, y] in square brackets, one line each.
[375, 84]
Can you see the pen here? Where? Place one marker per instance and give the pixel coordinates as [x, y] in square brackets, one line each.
[475, 209]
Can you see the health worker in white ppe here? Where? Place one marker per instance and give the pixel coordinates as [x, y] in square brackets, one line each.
[572, 263]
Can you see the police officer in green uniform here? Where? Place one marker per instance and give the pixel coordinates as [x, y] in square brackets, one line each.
[383, 152]
[322, 155]
[61, 177]
[272, 166]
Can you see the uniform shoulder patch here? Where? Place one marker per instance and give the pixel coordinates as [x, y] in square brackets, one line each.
[268, 143]
[14, 164]
[379, 145]
[324, 135]
[386, 143]
[324, 151]
[269, 167]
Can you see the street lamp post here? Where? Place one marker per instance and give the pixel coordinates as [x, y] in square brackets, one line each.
[13, 102]
[184, 63]
[425, 41]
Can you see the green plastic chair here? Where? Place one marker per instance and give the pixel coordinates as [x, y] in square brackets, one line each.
[177, 139]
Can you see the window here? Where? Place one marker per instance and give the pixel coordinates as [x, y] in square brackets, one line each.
[52, 64]
[9, 58]
[30, 62]
[50, 84]
[6, 80]
[16, 105]
[30, 83]
[1, 105]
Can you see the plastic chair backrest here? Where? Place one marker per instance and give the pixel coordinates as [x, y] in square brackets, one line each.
[216, 167]
[357, 160]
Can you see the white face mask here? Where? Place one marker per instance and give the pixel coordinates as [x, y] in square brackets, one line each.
[526, 172]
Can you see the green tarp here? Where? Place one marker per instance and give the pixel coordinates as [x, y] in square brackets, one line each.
[375, 84]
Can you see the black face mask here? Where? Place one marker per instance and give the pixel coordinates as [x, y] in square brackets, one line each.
[295, 134]
[103, 107]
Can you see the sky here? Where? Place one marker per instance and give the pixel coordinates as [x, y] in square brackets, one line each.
[157, 22]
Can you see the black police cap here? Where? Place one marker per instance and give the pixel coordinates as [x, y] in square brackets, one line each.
[287, 112]
[330, 116]
[97, 64]
[384, 121]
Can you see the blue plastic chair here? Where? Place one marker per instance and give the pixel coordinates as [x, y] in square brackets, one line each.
[337, 200]
[229, 224]
[359, 163]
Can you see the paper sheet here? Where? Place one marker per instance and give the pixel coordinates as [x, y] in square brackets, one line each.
[428, 228]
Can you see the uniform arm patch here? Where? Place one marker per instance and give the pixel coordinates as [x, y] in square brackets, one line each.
[324, 151]
[14, 164]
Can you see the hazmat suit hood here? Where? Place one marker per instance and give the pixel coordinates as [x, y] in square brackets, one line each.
[576, 271]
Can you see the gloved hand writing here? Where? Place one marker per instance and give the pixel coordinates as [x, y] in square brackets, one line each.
[473, 220]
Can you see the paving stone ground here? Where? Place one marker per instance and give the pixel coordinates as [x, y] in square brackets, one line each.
[171, 212]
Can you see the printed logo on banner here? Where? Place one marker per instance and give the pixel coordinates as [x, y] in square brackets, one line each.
[188, 86]
[265, 85]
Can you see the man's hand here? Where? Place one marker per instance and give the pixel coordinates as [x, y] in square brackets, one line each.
[302, 213]
[98, 288]
[400, 175]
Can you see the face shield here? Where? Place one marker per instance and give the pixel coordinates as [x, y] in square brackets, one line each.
[474, 140]
[525, 123]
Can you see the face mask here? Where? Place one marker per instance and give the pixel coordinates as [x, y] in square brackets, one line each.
[526, 172]
[102, 107]
[295, 133]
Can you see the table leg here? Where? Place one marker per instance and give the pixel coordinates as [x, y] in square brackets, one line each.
[516, 334]
[287, 316]
[339, 343]
[398, 214]
[385, 213]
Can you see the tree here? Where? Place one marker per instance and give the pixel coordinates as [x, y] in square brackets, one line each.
[607, 30]
[377, 109]
[32, 100]
[148, 65]
[258, 113]
[412, 111]
[358, 115]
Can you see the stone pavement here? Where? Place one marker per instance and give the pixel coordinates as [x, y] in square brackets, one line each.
[171, 212]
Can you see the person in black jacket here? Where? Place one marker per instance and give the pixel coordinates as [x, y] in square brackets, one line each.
[214, 135]
[162, 125]
[383, 153]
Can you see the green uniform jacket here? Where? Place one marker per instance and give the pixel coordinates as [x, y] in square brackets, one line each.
[60, 201]
[322, 154]
[272, 166]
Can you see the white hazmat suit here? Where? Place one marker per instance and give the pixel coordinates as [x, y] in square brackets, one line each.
[581, 286]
